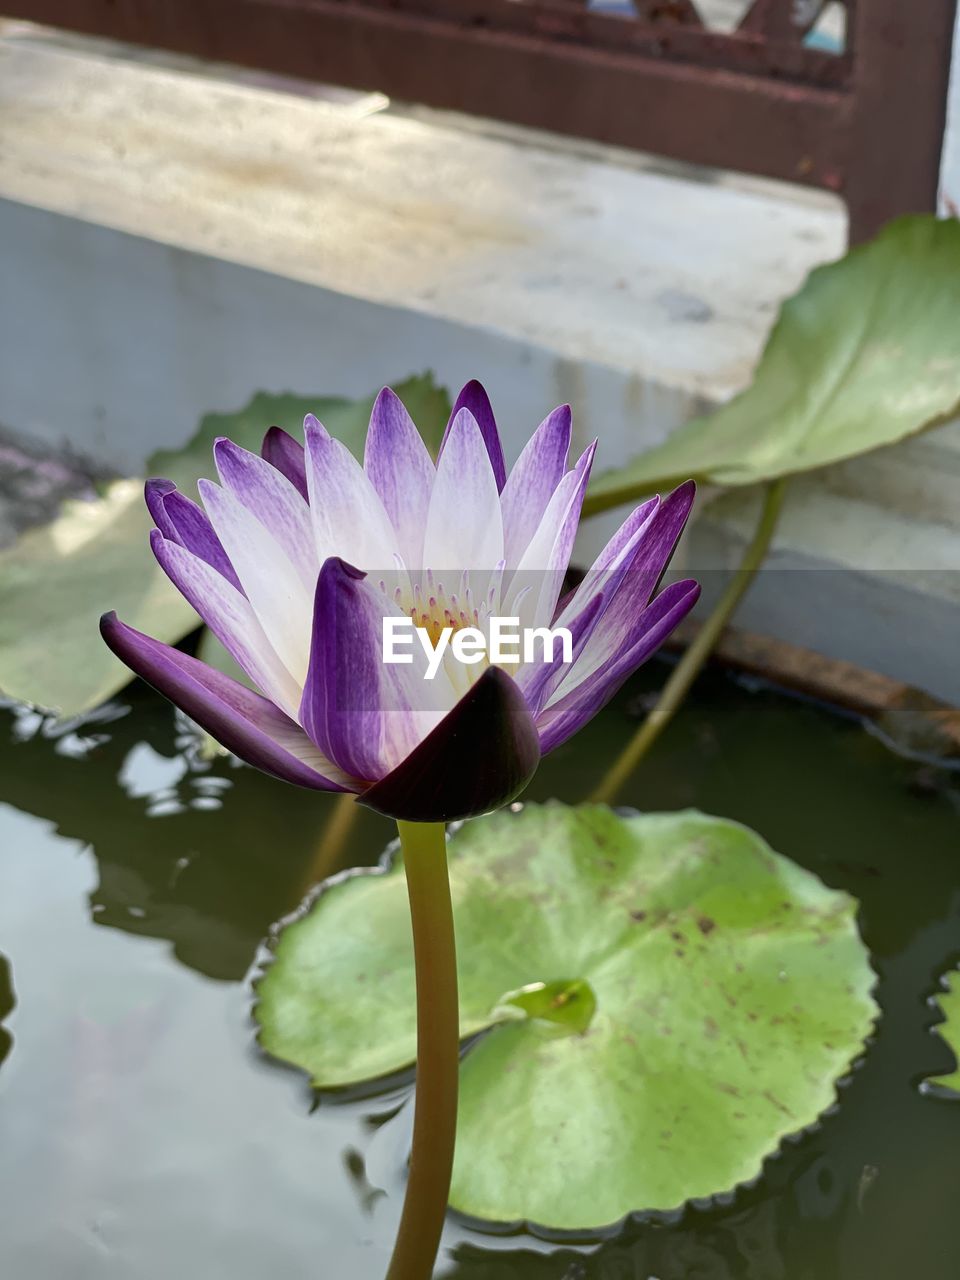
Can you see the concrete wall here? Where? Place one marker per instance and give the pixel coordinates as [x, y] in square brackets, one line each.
[171, 243]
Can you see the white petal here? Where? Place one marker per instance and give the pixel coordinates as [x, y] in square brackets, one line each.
[274, 501]
[349, 520]
[464, 525]
[401, 470]
[232, 620]
[531, 483]
[281, 601]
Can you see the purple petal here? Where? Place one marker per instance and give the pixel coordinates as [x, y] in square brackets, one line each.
[479, 757]
[245, 723]
[535, 587]
[626, 589]
[561, 720]
[154, 491]
[474, 398]
[402, 472]
[275, 502]
[614, 557]
[588, 603]
[230, 617]
[355, 706]
[287, 455]
[659, 540]
[530, 485]
[624, 536]
[190, 526]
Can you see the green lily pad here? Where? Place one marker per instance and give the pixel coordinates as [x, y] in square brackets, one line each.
[949, 1030]
[58, 579]
[866, 354]
[664, 999]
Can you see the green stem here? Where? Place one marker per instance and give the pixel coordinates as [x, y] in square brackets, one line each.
[330, 850]
[688, 668]
[438, 1051]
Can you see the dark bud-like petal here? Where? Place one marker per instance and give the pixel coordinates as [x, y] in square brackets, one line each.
[287, 455]
[478, 758]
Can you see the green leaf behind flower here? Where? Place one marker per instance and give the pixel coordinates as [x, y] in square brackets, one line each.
[866, 354]
[57, 580]
[664, 999]
[949, 1030]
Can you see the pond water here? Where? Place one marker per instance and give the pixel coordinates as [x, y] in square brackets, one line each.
[144, 1136]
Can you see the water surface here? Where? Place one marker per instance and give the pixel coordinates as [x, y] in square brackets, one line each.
[143, 1135]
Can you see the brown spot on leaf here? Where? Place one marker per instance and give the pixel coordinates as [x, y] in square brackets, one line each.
[706, 925]
[775, 1101]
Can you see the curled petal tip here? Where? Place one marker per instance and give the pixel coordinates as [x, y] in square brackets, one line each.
[334, 565]
[154, 492]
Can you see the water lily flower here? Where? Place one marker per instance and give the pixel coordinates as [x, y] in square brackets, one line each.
[298, 554]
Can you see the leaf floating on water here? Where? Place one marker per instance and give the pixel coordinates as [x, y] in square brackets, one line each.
[57, 579]
[865, 355]
[949, 1030]
[664, 998]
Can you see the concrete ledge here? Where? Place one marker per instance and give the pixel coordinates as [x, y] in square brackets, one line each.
[674, 281]
[173, 241]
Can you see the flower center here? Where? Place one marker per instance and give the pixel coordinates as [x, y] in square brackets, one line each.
[434, 609]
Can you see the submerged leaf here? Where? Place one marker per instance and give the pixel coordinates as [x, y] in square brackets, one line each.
[949, 1030]
[866, 354]
[57, 579]
[690, 998]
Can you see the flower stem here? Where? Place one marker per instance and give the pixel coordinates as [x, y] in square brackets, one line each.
[438, 1051]
[330, 850]
[688, 668]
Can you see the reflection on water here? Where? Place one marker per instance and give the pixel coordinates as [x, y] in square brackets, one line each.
[7, 1001]
[142, 1135]
[211, 877]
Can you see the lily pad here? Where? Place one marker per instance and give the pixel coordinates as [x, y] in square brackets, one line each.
[866, 354]
[58, 579]
[949, 1030]
[664, 999]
